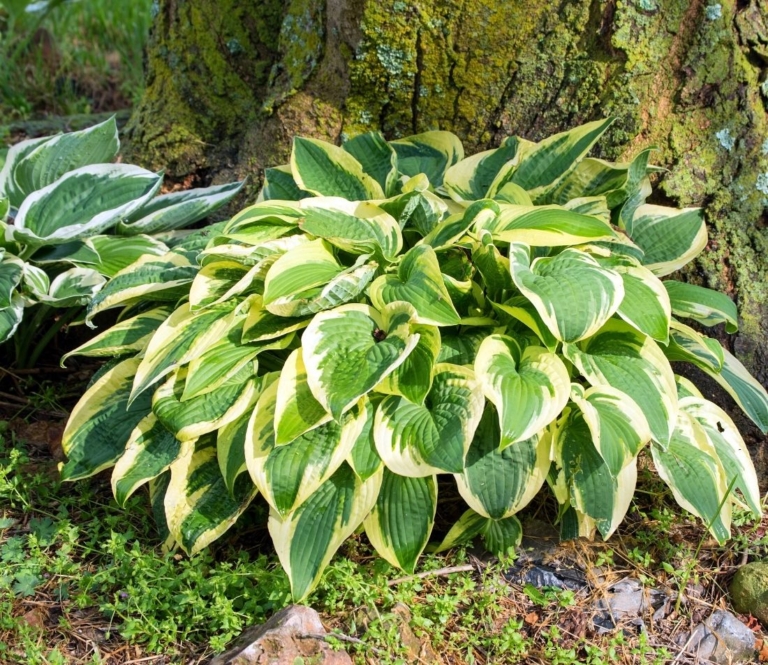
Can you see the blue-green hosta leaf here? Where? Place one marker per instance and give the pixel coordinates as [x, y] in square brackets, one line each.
[748, 392]
[150, 450]
[261, 325]
[287, 475]
[572, 292]
[128, 336]
[645, 304]
[78, 253]
[690, 346]
[704, 305]
[355, 227]
[102, 421]
[184, 336]
[196, 416]
[545, 226]
[307, 539]
[327, 170]
[521, 309]
[593, 490]
[76, 286]
[377, 158]
[670, 238]
[503, 536]
[10, 318]
[402, 518]
[618, 426]
[279, 185]
[528, 386]
[430, 153]
[413, 379]
[82, 203]
[622, 357]
[420, 283]
[730, 448]
[420, 440]
[498, 483]
[350, 349]
[116, 253]
[51, 159]
[178, 209]
[471, 178]
[154, 279]
[198, 506]
[543, 166]
[296, 409]
[11, 273]
[17, 152]
[692, 469]
[363, 458]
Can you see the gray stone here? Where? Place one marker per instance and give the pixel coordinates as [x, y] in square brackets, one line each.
[293, 635]
[722, 639]
[628, 601]
[749, 590]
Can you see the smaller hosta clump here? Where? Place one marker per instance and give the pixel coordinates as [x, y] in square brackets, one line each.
[391, 311]
[70, 219]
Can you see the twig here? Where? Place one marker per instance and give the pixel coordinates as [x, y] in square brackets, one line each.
[467, 567]
[342, 638]
[15, 398]
[42, 412]
[142, 660]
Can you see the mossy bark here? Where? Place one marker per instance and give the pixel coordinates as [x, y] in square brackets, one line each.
[231, 81]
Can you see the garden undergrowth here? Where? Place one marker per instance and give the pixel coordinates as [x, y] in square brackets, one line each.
[76, 586]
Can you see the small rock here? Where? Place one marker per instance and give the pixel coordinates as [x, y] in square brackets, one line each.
[722, 639]
[293, 635]
[749, 590]
[419, 650]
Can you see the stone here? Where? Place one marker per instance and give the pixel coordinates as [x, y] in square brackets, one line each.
[749, 590]
[627, 601]
[722, 639]
[293, 635]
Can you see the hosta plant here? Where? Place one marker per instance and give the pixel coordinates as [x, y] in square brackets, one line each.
[391, 311]
[70, 219]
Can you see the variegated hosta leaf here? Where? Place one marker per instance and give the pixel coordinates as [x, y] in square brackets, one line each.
[158, 279]
[430, 153]
[11, 273]
[420, 283]
[471, 178]
[416, 211]
[692, 469]
[296, 409]
[263, 222]
[102, 421]
[645, 304]
[685, 388]
[10, 318]
[124, 337]
[327, 170]
[350, 349]
[467, 528]
[706, 306]
[16, 153]
[182, 337]
[402, 518]
[461, 348]
[545, 226]
[528, 386]
[157, 489]
[358, 228]
[521, 309]
[150, 450]
[197, 416]
[594, 491]
[178, 209]
[729, 446]
[307, 539]
[670, 238]
[494, 269]
[363, 458]
[52, 158]
[503, 536]
[75, 286]
[688, 345]
[622, 357]
[83, 202]
[279, 185]
[218, 281]
[618, 426]
[261, 325]
[34, 281]
[572, 292]
[230, 449]
[498, 483]
[748, 392]
[454, 227]
[592, 177]
[413, 378]
[417, 441]
[115, 253]
[308, 265]
[377, 158]
[287, 475]
[198, 506]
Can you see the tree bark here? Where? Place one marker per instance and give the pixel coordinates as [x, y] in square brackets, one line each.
[230, 82]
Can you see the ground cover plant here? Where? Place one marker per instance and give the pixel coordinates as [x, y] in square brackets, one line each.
[70, 218]
[391, 311]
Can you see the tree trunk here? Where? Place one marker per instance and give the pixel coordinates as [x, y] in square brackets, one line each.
[231, 81]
